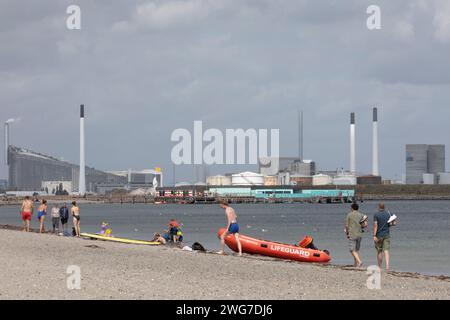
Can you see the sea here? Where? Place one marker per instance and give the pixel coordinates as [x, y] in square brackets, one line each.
[419, 243]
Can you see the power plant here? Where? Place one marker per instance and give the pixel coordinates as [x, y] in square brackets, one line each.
[82, 178]
[31, 171]
[375, 169]
[6, 142]
[352, 144]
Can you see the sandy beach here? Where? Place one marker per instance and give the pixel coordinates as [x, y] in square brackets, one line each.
[34, 266]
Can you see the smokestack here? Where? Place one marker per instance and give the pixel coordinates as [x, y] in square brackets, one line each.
[352, 144]
[82, 179]
[300, 135]
[375, 169]
[7, 143]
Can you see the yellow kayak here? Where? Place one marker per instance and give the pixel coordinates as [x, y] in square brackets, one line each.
[121, 240]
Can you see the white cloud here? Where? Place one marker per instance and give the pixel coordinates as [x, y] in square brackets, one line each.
[441, 20]
[165, 14]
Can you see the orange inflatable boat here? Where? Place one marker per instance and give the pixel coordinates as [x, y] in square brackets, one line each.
[275, 249]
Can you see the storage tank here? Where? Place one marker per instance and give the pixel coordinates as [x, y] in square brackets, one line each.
[218, 180]
[247, 179]
[304, 181]
[344, 180]
[270, 180]
[322, 180]
[444, 178]
[429, 178]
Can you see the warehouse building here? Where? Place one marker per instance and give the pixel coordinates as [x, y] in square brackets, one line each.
[28, 170]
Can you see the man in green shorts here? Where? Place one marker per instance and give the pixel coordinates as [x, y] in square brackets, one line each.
[381, 235]
[354, 229]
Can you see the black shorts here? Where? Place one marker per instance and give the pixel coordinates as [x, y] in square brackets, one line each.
[64, 220]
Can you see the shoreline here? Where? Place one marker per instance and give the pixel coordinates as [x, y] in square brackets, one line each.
[123, 271]
[138, 200]
[407, 274]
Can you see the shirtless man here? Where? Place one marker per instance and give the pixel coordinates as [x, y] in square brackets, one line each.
[26, 212]
[232, 227]
[75, 210]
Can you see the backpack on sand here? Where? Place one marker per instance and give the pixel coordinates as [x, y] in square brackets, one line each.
[198, 247]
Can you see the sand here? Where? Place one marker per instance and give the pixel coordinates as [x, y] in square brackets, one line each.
[34, 266]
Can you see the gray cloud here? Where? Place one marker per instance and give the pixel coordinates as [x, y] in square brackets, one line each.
[145, 68]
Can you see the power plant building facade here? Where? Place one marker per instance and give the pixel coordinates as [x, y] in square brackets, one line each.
[28, 169]
[423, 159]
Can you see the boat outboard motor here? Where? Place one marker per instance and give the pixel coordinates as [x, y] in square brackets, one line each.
[307, 243]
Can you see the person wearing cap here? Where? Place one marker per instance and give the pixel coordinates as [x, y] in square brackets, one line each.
[354, 225]
[381, 235]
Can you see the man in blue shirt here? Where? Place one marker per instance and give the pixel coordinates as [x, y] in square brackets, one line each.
[381, 235]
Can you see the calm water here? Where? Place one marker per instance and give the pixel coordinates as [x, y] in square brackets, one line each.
[419, 243]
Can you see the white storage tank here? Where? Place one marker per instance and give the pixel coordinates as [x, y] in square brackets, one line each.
[218, 180]
[429, 178]
[247, 179]
[322, 180]
[344, 180]
[270, 180]
[444, 178]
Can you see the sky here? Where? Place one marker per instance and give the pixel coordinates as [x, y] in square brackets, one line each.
[146, 68]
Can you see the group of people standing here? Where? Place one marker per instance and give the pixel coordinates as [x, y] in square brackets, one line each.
[355, 224]
[59, 216]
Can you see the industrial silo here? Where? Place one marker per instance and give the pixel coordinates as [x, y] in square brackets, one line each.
[219, 180]
[247, 179]
[322, 180]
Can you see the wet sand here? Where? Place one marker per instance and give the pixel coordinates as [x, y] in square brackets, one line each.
[34, 267]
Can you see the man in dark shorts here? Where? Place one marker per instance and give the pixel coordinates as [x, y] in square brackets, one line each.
[381, 235]
[64, 215]
[232, 227]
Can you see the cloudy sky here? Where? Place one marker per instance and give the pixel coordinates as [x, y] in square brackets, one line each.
[145, 68]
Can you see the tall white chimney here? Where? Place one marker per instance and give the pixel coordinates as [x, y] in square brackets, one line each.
[82, 179]
[352, 144]
[375, 169]
[6, 143]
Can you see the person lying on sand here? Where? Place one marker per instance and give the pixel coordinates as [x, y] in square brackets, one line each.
[158, 238]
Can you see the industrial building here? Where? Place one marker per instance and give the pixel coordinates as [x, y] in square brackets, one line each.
[33, 171]
[270, 166]
[137, 179]
[28, 170]
[424, 163]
